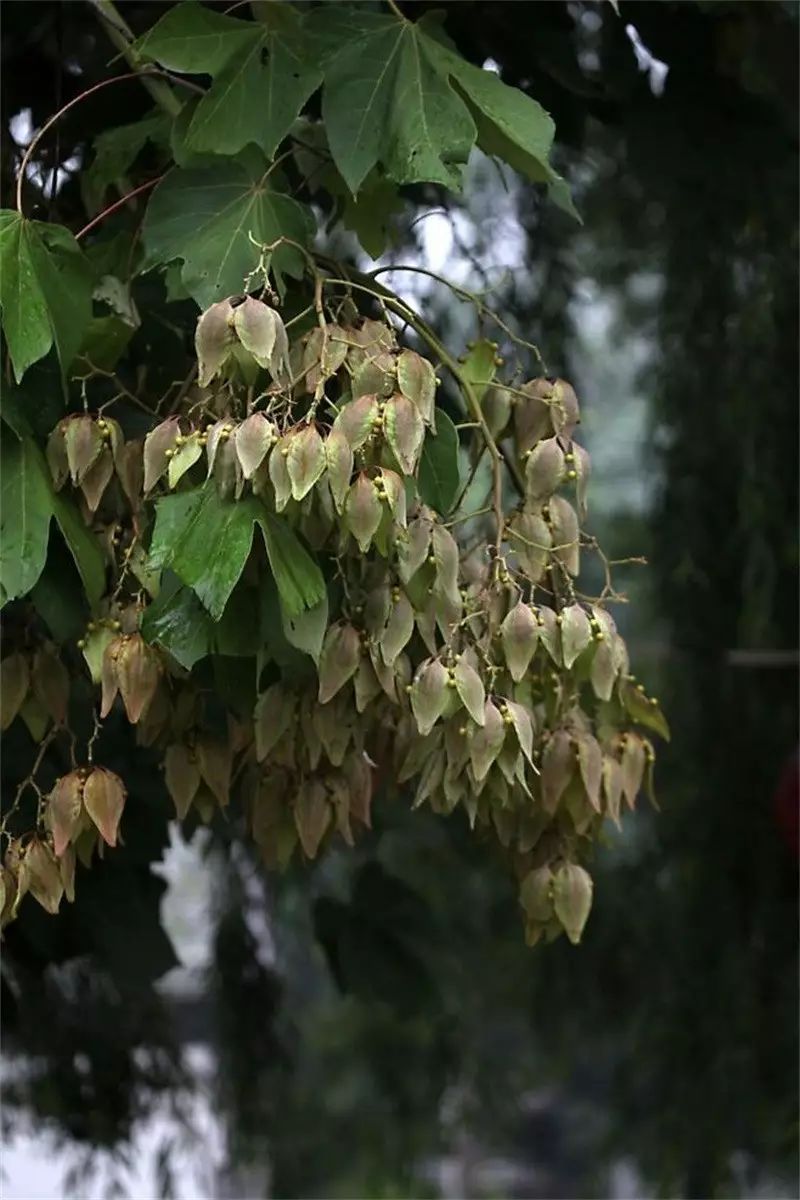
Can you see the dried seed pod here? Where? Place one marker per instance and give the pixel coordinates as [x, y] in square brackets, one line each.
[214, 340]
[104, 799]
[14, 684]
[65, 809]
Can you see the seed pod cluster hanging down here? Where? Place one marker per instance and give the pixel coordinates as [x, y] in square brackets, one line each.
[467, 677]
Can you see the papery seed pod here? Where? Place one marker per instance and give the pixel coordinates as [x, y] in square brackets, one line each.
[612, 787]
[544, 470]
[274, 714]
[532, 420]
[487, 741]
[357, 420]
[156, 445]
[394, 493]
[519, 634]
[50, 683]
[572, 899]
[416, 379]
[97, 479]
[138, 670]
[215, 435]
[215, 760]
[496, 405]
[523, 727]
[313, 815]
[84, 444]
[214, 340]
[104, 799]
[536, 894]
[130, 472]
[576, 633]
[590, 762]
[558, 768]
[339, 660]
[255, 325]
[14, 684]
[564, 409]
[531, 539]
[632, 764]
[582, 472]
[413, 548]
[429, 694]
[66, 871]
[399, 628]
[565, 533]
[56, 453]
[279, 473]
[187, 454]
[404, 430]
[377, 376]
[182, 777]
[362, 511]
[227, 473]
[39, 874]
[64, 810]
[339, 461]
[254, 439]
[323, 354]
[305, 461]
[469, 688]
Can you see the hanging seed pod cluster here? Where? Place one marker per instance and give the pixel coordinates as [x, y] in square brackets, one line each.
[404, 649]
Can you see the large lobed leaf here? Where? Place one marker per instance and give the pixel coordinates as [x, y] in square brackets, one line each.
[45, 291]
[206, 540]
[213, 219]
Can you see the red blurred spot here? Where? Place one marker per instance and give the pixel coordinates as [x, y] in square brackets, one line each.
[787, 804]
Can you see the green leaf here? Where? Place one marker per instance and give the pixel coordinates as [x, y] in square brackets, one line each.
[206, 541]
[115, 151]
[45, 291]
[510, 125]
[194, 39]
[256, 96]
[83, 546]
[27, 506]
[478, 367]
[385, 101]
[369, 215]
[177, 621]
[300, 582]
[206, 216]
[306, 630]
[28, 503]
[644, 710]
[439, 475]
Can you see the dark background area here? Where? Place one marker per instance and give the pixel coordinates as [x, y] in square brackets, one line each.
[398, 1023]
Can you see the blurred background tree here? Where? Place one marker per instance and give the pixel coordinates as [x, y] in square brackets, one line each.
[376, 1026]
